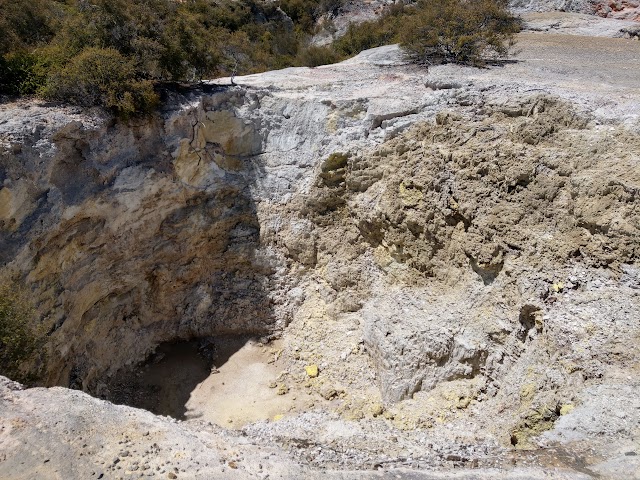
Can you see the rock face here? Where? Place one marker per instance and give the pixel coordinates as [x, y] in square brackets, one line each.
[457, 209]
[455, 251]
[133, 235]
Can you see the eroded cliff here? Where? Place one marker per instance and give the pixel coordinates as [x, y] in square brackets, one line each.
[454, 251]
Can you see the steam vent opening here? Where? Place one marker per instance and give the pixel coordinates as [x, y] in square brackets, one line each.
[227, 380]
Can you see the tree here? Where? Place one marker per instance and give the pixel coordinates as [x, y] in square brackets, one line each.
[468, 32]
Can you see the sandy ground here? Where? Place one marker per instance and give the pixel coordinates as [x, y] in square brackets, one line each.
[243, 382]
[609, 62]
[247, 388]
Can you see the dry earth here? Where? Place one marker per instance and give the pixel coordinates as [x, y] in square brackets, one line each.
[455, 252]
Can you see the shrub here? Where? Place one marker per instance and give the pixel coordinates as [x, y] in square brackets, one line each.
[22, 73]
[459, 31]
[112, 52]
[314, 56]
[187, 50]
[363, 36]
[305, 13]
[20, 340]
[24, 23]
[301, 12]
[102, 76]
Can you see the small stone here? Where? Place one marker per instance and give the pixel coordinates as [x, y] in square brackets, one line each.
[329, 393]
[312, 370]
[282, 389]
[377, 409]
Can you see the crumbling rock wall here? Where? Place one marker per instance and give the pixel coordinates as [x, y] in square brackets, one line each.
[132, 235]
[479, 253]
[475, 257]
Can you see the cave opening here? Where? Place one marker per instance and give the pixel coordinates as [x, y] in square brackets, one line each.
[164, 382]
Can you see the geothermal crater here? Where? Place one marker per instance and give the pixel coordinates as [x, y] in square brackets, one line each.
[340, 272]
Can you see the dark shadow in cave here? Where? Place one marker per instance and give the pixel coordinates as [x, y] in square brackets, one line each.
[163, 383]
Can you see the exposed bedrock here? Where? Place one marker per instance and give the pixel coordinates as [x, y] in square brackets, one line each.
[135, 235]
[489, 259]
[444, 257]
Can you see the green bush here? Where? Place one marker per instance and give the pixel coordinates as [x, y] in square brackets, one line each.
[382, 31]
[25, 23]
[102, 76]
[459, 31]
[302, 12]
[364, 36]
[314, 56]
[104, 52]
[112, 53]
[305, 13]
[20, 340]
[22, 73]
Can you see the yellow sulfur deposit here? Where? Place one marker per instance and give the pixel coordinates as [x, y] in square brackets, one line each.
[312, 370]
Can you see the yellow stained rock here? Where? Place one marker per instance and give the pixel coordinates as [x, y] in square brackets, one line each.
[566, 408]
[409, 196]
[5, 203]
[278, 417]
[312, 370]
[527, 391]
